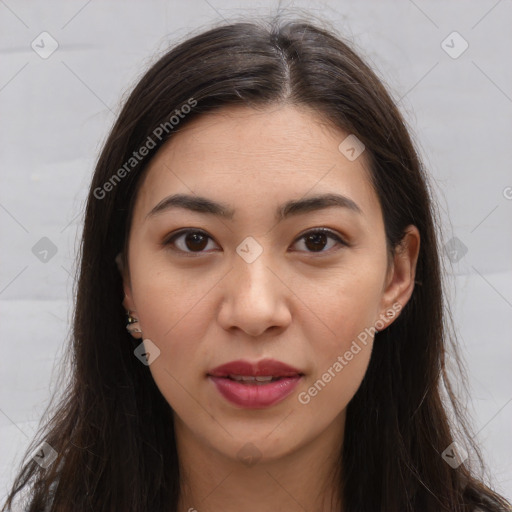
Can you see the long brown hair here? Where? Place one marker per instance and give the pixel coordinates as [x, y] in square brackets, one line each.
[112, 455]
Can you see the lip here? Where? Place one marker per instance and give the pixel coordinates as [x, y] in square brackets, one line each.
[264, 367]
[253, 395]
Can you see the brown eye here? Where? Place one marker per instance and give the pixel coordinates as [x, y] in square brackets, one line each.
[317, 240]
[195, 241]
[189, 241]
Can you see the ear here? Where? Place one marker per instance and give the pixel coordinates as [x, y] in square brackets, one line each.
[125, 274]
[401, 275]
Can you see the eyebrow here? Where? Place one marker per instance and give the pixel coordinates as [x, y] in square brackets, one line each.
[290, 208]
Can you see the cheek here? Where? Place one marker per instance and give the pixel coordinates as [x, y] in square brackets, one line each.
[349, 307]
[174, 313]
[347, 304]
[330, 390]
[171, 302]
[175, 321]
[177, 328]
[340, 362]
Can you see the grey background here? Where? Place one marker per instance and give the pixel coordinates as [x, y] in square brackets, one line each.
[57, 111]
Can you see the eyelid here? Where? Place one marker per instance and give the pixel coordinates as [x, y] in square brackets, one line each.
[341, 240]
[170, 238]
[328, 231]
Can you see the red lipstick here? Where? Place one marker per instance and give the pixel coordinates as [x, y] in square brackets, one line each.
[255, 385]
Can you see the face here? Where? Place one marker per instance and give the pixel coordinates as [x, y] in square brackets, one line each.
[303, 284]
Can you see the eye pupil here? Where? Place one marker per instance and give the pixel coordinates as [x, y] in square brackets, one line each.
[318, 239]
[196, 238]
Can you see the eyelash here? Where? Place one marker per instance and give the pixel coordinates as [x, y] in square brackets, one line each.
[330, 234]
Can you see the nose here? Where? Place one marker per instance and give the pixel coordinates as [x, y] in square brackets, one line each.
[255, 298]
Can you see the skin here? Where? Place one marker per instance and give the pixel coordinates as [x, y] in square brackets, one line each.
[300, 303]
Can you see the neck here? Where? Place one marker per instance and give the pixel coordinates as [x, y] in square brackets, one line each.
[303, 479]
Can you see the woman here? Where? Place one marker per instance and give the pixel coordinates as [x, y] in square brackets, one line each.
[259, 319]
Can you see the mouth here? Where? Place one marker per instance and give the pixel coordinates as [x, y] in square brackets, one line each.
[255, 385]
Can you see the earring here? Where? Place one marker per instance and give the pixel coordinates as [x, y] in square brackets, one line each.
[132, 325]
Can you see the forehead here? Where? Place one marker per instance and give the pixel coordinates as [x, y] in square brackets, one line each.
[252, 158]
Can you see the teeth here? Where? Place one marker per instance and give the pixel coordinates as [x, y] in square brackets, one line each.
[266, 378]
